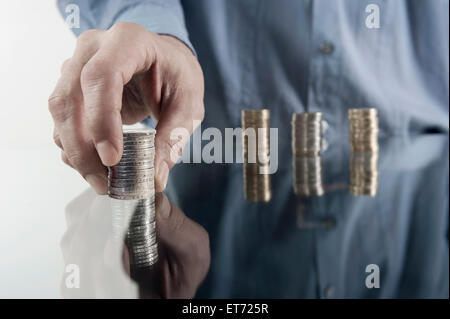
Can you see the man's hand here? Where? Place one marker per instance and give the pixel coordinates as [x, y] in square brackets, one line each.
[122, 76]
[184, 255]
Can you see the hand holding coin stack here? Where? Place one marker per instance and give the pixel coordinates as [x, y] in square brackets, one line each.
[257, 182]
[364, 147]
[306, 129]
[132, 179]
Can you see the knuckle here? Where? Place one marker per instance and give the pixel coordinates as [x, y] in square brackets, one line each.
[57, 140]
[200, 112]
[90, 71]
[97, 74]
[119, 27]
[65, 159]
[76, 158]
[59, 106]
[123, 27]
[87, 36]
[64, 65]
[172, 149]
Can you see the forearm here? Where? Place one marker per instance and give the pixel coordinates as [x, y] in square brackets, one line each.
[158, 16]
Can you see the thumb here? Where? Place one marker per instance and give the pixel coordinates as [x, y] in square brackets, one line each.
[174, 128]
[184, 238]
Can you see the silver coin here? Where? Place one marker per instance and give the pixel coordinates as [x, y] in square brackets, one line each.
[142, 240]
[130, 169]
[142, 244]
[136, 162]
[130, 195]
[147, 173]
[139, 131]
[144, 249]
[144, 187]
[147, 224]
[137, 144]
[150, 227]
[138, 156]
[127, 197]
[142, 219]
[130, 182]
[142, 230]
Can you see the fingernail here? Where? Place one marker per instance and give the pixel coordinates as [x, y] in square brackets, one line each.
[98, 183]
[162, 174]
[107, 153]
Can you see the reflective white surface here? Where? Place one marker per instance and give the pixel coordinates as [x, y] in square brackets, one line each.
[35, 185]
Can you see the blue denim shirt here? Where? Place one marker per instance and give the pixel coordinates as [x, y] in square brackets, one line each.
[296, 55]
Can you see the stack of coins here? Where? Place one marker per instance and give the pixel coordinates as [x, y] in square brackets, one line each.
[306, 129]
[306, 133]
[363, 130]
[364, 146]
[141, 235]
[132, 179]
[308, 175]
[256, 151]
[363, 173]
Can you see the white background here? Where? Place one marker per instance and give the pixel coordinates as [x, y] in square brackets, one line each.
[35, 185]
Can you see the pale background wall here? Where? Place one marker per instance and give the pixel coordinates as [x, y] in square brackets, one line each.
[35, 186]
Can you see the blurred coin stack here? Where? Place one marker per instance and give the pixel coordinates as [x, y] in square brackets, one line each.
[141, 235]
[257, 182]
[132, 179]
[308, 175]
[363, 173]
[364, 147]
[306, 133]
[306, 129]
[363, 130]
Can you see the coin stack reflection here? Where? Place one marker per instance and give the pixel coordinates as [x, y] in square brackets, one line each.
[363, 173]
[306, 129]
[132, 180]
[364, 146]
[363, 130]
[256, 151]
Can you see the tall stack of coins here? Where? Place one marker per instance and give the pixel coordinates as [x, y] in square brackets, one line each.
[141, 235]
[132, 179]
[306, 131]
[256, 151]
[363, 130]
[363, 173]
[364, 146]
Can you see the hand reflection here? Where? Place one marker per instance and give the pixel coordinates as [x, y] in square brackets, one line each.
[184, 255]
[94, 243]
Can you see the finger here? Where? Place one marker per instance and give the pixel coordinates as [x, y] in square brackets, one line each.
[177, 121]
[56, 138]
[102, 82]
[181, 111]
[64, 64]
[66, 107]
[186, 242]
[173, 131]
[65, 159]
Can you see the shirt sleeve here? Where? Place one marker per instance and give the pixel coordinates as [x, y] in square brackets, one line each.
[159, 16]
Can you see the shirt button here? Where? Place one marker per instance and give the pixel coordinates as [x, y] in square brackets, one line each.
[326, 48]
[329, 292]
